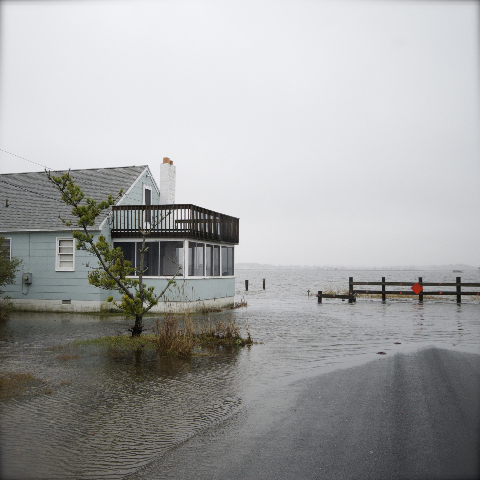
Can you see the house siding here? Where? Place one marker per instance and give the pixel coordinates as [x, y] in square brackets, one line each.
[38, 253]
[134, 196]
[191, 289]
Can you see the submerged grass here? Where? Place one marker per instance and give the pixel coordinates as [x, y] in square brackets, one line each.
[65, 356]
[13, 384]
[121, 342]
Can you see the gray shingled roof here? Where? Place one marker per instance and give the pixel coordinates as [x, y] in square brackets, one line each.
[35, 204]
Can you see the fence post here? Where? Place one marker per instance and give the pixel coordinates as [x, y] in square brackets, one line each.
[459, 289]
[420, 295]
[319, 296]
[383, 289]
[350, 289]
[246, 285]
[264, 284]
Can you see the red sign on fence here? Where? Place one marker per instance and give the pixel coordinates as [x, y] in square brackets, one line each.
[417, 288]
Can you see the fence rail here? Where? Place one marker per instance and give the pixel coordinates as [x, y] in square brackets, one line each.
[351, 298]
[180, 221]
[352, 292]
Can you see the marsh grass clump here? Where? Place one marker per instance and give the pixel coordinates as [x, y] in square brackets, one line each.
[224, 333]
[242, 303]
[5, 309]
[406, 298]
[334, 290]
[175, 337]
[206, 309]
[12, 384]
[177, 334]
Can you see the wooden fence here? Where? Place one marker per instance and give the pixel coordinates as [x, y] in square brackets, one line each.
[418, 286]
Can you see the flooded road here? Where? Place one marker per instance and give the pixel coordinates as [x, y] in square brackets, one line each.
[102, 414]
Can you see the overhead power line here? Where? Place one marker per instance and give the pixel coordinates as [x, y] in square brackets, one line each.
[23, 158]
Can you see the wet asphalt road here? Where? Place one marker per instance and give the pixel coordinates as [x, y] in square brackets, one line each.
[414, 416]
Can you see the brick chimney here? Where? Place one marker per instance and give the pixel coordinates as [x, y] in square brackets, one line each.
[167, 182]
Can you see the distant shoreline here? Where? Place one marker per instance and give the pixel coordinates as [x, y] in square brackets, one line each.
[457, 268]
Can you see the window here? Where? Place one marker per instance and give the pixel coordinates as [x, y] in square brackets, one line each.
[227, 261]
[212, 260]
[147, 195]
[147, 200]
[171, 257]
[7, 248]
[195, 259]
[65, 255]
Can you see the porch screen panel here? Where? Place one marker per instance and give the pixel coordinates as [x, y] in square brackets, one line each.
[150, 261]
[209, 260]
[227, 261]
[212, 260]
[171, 257]
[195, 259]
[128, 250]
[216, 260]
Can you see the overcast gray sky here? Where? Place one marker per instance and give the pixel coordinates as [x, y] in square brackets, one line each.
[340, 133]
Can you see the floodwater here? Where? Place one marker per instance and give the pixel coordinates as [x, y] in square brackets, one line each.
[107, 415]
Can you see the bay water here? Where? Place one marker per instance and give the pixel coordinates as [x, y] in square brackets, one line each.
[103, 414]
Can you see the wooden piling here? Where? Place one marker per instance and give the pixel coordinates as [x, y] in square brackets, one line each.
[383, 290]
[319, 296]
[459, 289]
[246, 285]
[420, 295]
[350, 290]
[264, 284]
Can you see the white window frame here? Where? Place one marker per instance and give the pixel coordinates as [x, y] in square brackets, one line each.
[58, 268]
[9, 247]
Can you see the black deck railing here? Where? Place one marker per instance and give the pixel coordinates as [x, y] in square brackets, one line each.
[176, 221]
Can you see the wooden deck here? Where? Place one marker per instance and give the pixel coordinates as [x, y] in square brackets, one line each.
[174, 221]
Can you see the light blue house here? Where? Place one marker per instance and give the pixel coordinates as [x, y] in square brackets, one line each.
[53, 274]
